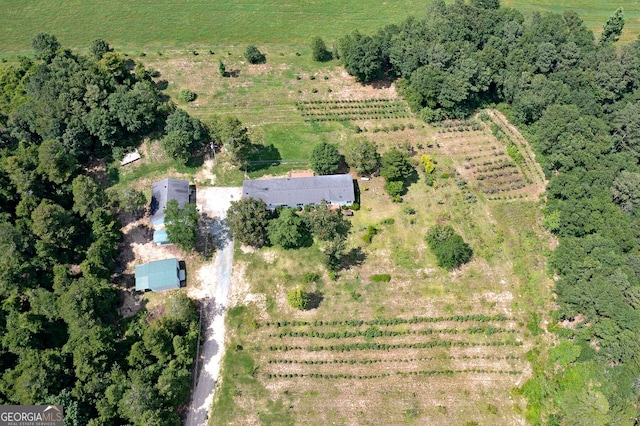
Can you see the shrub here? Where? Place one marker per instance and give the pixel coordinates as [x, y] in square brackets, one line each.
[187, 95]
[394, 188]
[409, 210]
[355, 207]
[449, 248]
[254, 56]
[381, 278]
[298, 299]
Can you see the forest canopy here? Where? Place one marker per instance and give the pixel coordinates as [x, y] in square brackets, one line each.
[62, 338]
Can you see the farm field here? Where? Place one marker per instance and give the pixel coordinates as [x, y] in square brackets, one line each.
[424, 347]
[160, 25]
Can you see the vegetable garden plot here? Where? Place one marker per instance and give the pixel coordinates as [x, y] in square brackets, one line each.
[353, 110]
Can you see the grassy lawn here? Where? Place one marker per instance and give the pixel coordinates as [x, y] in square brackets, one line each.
[160, 25]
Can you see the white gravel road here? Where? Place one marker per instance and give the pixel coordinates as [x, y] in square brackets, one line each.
[213, 291]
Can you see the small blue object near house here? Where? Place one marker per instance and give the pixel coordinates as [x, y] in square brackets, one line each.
[302, 191]
[160, 237]
[164, 191]
[159, 275]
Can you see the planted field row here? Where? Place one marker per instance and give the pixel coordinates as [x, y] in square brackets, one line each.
[399, 360]
[388, 321]
[374, 332]
[370, 101]
[383, 375]
[501, 174]
[386, 347]
[497, 189]
[351, 107]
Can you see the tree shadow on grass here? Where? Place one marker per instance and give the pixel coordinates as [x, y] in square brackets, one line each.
[354, 258]
[315, 299]
[263, 156]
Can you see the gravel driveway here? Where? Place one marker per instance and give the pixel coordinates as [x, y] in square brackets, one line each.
[213, 291]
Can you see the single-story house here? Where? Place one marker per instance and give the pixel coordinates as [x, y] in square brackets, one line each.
[164, 191]
[159, 275]
[301, 191]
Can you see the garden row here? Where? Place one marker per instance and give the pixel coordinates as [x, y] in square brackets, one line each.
[383, 375]
[387, 346]
[374, 332]
[377, 361]
[389, 321]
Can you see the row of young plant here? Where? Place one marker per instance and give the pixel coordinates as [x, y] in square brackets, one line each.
[379, 360]
[389, 321]
[383, 375]
[500, 174]
[352, 107]
[352, 117]
[448, 124]
[495, 152]
[473, 128]
[390, 346]
[371, 333]
[365, 113]
[495, 164]
[508, 197]
[496, 189]
[370, 101]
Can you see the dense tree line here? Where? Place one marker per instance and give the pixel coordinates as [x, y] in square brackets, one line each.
[578, 99]
[61, 337]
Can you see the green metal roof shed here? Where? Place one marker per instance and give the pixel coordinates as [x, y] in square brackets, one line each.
[158, 275]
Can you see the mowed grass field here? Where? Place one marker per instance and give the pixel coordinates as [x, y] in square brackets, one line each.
[146, 24]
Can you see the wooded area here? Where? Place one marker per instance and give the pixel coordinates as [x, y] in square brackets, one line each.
[577, 98]
[63, 119]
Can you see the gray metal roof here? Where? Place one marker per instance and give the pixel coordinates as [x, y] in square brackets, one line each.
[335, 189]
[164, 191]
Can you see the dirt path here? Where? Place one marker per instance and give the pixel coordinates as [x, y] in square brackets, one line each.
[213, 291]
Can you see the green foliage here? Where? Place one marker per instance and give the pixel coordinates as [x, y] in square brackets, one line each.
[450, 249]
[45, 46]
[98, 48]
[362, 155]
[248, 220]
[394, 188]
[88, 195]
[298, 299]
[187, 95]
[324, 159]
[613, 28]
[395, 166]
[381, 278]
[327, 225]
[222, 69]
[254, 56]
[287, 230]
[361, 56]
[319, 50]
[182, 224]
[233, 136]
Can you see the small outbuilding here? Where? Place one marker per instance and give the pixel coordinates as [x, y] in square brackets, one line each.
[301, 191]
[159, 275]
[164, 191]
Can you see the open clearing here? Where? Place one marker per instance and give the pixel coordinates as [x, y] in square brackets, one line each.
[159, 25]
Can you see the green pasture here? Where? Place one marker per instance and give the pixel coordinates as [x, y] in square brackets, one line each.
[179, 24]
[594, 13]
